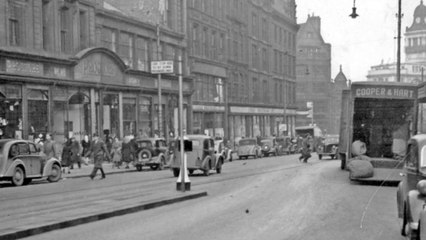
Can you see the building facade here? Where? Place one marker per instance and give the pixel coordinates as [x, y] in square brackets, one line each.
[262, 77]
[242, 57]
[81, 67]
[206, 36]
[412, 70]
[313, 70]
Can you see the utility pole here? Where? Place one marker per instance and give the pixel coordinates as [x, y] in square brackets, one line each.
[160, 112]
[398, 61]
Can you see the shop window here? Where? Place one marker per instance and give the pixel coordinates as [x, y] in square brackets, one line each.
[111, 119]
[10, 117]
[38, 111]
[145, 122]
[78, 115]
[129, 116]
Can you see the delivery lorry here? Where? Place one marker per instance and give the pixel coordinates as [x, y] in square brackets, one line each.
[379, 114]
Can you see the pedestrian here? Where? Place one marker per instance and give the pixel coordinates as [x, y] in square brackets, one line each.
[85, 145]
[66, 156]
[75, 153]
[306, 150]
[98, 150]
[133, 146]
[49, 147]
[126, 151]
[116, 153]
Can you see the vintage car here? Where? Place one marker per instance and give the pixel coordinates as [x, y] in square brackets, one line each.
[152, 152]
[201, 156]
[411, 193]
[222, 151]
[285, 146]
[329, 147]
[21, 162]
[248, 147]
[269, 147]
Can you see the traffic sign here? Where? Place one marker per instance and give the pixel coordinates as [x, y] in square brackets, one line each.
[158, 67]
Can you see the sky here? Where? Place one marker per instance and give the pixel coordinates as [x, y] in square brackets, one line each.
[357, 44]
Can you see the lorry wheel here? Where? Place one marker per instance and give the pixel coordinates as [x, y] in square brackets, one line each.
[206, 171]
[176, 172]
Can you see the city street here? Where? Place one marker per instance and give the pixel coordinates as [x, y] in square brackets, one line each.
[267, 198]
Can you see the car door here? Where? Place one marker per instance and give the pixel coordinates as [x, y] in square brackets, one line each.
[24, 156]
[37, 161]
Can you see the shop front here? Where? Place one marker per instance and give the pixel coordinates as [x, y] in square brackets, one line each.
[94, 92]
[247, 122]
[209, 120]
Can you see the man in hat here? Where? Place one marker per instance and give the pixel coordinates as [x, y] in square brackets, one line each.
[98, 150]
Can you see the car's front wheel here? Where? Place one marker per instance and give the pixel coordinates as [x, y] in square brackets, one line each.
[206, 171]
[18, 177]
[55, 173]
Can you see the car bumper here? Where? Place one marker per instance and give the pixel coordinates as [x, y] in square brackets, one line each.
[147, 162]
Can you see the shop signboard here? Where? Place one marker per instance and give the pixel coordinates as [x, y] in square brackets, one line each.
[160, 67]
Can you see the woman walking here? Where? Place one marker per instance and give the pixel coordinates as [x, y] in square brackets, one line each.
[75, 153]
[66, 156]
[116, 153]
[126, 151]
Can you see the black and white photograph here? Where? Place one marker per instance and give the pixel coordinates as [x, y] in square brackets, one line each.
[213, 119]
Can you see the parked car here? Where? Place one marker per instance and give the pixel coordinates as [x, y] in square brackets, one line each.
[411, 193]
[329, 147]
[152, 152]
[21, 162]
[222, 151]
[201, 157]
[269, 147]
[248, 147]
[285, 146]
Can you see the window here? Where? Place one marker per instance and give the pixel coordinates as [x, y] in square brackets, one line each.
[195, 40]
[47, 42]
[109, 38]
[265, 59]
[213, 46]
[255, 56]
[83, 30]
[264, 29]
[126, 48]
[265, 91]
[142, 54]
[15, 23]
[254, 25]
[205, 43]
[65, 29]
[255, 89]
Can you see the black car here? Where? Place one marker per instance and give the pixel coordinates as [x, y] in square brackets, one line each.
[152, 152]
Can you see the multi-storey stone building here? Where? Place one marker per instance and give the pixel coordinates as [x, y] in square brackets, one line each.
[242, 57]
[80, 67]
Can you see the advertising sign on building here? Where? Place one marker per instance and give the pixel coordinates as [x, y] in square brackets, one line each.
[158, 67]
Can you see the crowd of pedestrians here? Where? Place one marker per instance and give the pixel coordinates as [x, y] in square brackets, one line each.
[73, 153]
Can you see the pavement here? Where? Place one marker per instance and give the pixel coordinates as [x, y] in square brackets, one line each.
[25, 213]
[85, 170]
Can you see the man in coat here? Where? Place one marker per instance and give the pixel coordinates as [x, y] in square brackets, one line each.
[98, 150]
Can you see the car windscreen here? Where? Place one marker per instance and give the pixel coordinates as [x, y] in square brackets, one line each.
[246, 142]
[267, 142]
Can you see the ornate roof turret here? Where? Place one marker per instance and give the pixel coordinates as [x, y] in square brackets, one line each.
[419, 20]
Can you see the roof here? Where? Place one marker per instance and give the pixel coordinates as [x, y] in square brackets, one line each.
[419, 19]
[384, 83]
